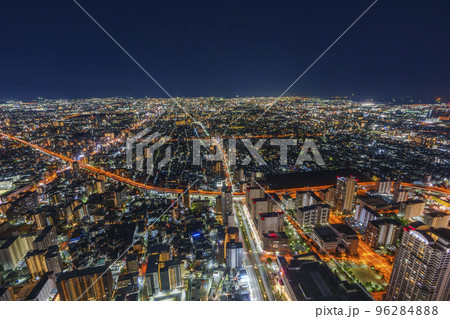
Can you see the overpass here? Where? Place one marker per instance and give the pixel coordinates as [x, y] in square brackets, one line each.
[130, 182]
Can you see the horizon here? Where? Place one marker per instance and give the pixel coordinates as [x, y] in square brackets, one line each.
[396, 99]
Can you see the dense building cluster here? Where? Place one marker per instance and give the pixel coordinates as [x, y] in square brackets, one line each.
[78, 222]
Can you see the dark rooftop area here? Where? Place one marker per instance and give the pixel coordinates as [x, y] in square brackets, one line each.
[344, 229]
[315, 178]
[326, 233]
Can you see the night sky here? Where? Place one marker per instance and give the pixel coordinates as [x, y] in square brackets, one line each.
[52, 49]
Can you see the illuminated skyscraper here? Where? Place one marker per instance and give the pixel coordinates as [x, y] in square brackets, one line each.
[421, 269]
[345, 193]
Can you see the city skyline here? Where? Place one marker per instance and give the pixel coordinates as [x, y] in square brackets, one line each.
[289, 151]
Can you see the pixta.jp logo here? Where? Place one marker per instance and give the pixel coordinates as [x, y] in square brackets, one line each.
[149, 145]
[213, 150]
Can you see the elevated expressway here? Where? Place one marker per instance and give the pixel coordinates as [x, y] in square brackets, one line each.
[130, 182]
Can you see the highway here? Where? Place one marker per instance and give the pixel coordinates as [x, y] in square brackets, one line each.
[118, 178]
[260, 282]
[130, 182]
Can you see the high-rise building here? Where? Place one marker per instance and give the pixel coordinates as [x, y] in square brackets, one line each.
[288, 202]
[232, 234]
[53, 260]
[163, 275]
[313, 215]
[171, 275]
[328, 195]
[383, 187]
[40, 219]
[306, 198]
[75, 167]
[253, 192]
[13, 249]
[40, 290]
[436, 218]
[218, 207]
[235, 255]
[241, 175]
[400, 195]
[382, 232]
[36, 265]
[120, 195]
[345, 193]
[86, 284]
[259, 206]
[411, 209]
[46, 238]
[421, 269]
[369, 207]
